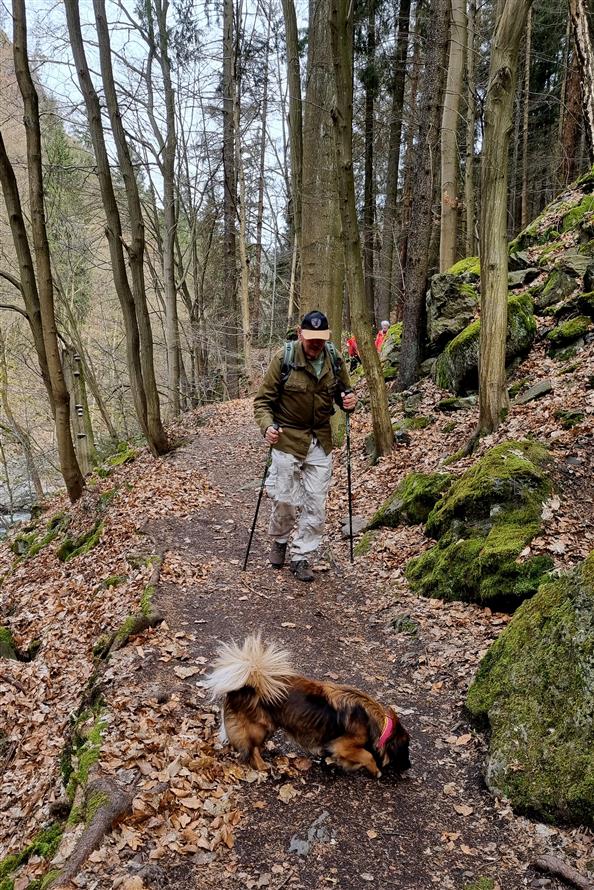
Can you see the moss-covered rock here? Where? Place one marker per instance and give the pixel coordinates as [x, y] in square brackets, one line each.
[577, 213]
[81, 545]
[412, 501]
[535, 688]
[470, 267]
[482, 522]
[569, 331]
[451, 305]
[456, 368]
[8, 648]
[390, 351]
[559, 285]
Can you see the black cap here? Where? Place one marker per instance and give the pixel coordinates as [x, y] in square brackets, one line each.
[314, 326]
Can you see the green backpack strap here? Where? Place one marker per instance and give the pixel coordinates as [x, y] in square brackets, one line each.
[289, 355]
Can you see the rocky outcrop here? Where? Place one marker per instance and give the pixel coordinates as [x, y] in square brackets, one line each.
[535, 690]
[456, 368]
[412, 501]
[482, 522]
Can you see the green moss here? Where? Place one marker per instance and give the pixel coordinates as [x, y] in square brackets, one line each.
[569, 331]
[125, 629]
[8, 648]
[114, 580]
[44, 845]
[507, 471]
[124, 454]
[146, 600]
[535, 688]
[364, 544]
[481, 884]
[569, 419]
[81, 545]
[106, 498]
[86, 755]
[390, 372]
[395, 332]
[49, 878]
[404, 624]
[28, 545]
[412, 500]
[482, 522]
[571, 219]
[469, 266]
[93, 803]
[449, 427]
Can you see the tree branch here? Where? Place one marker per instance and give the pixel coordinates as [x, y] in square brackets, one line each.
[14, 309]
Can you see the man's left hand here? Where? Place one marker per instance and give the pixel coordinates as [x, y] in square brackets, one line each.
[349, 400]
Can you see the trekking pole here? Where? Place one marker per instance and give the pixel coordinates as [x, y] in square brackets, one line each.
[348, 444]
[266, 465]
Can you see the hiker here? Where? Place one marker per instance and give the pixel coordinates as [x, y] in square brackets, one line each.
[353, 352]
[298, 393]
[381, 335]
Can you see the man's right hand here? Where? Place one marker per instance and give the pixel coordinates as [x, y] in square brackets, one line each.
[272, 434]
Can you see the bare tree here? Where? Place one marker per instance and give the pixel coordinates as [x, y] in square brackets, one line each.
[510, 25]
[449, 137]
[341, 28]
[61, 400]
[579, 10]
[230, 198]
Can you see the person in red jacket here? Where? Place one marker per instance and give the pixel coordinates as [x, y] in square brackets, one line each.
[381, 335]
[353, 353]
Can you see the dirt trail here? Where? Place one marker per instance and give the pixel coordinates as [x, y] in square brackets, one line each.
[435, 827]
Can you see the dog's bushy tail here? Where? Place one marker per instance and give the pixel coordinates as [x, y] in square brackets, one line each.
[263, 666]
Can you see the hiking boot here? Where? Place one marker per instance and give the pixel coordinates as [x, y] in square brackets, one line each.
[302, 570]
[277, 555]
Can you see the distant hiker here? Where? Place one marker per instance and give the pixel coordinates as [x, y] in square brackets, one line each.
[353, 352]
[381, 335]
[301, 385]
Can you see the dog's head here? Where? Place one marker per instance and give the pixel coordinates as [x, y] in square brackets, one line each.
[395, 751]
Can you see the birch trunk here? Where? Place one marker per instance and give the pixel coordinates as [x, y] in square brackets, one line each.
[449, 137]
[493, 398]
[341, 29]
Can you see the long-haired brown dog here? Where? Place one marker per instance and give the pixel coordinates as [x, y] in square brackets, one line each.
[262, 693]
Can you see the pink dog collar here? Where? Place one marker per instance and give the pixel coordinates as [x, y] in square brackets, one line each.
[386, 732]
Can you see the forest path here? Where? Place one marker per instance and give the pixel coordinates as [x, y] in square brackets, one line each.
[303, 827]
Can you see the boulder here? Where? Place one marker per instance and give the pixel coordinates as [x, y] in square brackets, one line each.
[558, 287]
[456, 368]
[451, 305]
[390, 350]
[520, 277]
[482, 522]
[535, 689]
[569, 331]
[543, 388]
[412, 501]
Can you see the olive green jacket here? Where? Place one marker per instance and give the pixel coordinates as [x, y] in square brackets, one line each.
[305, 406]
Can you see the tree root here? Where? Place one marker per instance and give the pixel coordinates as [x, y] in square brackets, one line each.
[147, 617]
[104, 802]
[553, 866]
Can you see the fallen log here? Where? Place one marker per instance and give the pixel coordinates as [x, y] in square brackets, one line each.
[553, 866]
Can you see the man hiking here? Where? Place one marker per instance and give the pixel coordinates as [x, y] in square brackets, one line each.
[293, 408]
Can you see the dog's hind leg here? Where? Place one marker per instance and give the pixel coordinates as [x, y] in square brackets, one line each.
[348, 754]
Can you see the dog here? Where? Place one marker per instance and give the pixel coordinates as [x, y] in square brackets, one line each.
[261, 693]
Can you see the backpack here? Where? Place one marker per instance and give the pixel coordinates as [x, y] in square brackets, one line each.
[289, 354]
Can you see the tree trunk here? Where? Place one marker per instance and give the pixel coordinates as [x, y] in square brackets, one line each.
[322, 260]
[68, 464]
[261, 176]
[28, 283]
[244, 283]
[525, 213]
[113, 228]
[295, 141]
[230, 202]
[20, 434]
[370, 80]
[449, 137]
[341, 29]
[469, 192]
[384, 289]
[571, 122]
[578, 9]
[420, 222]
[79, 410]
[493, 399]
[156, 434]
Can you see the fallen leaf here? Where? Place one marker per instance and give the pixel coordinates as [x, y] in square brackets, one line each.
[287, 792]
[464, 809]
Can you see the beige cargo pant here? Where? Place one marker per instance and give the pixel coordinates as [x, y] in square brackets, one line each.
[299, 485]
